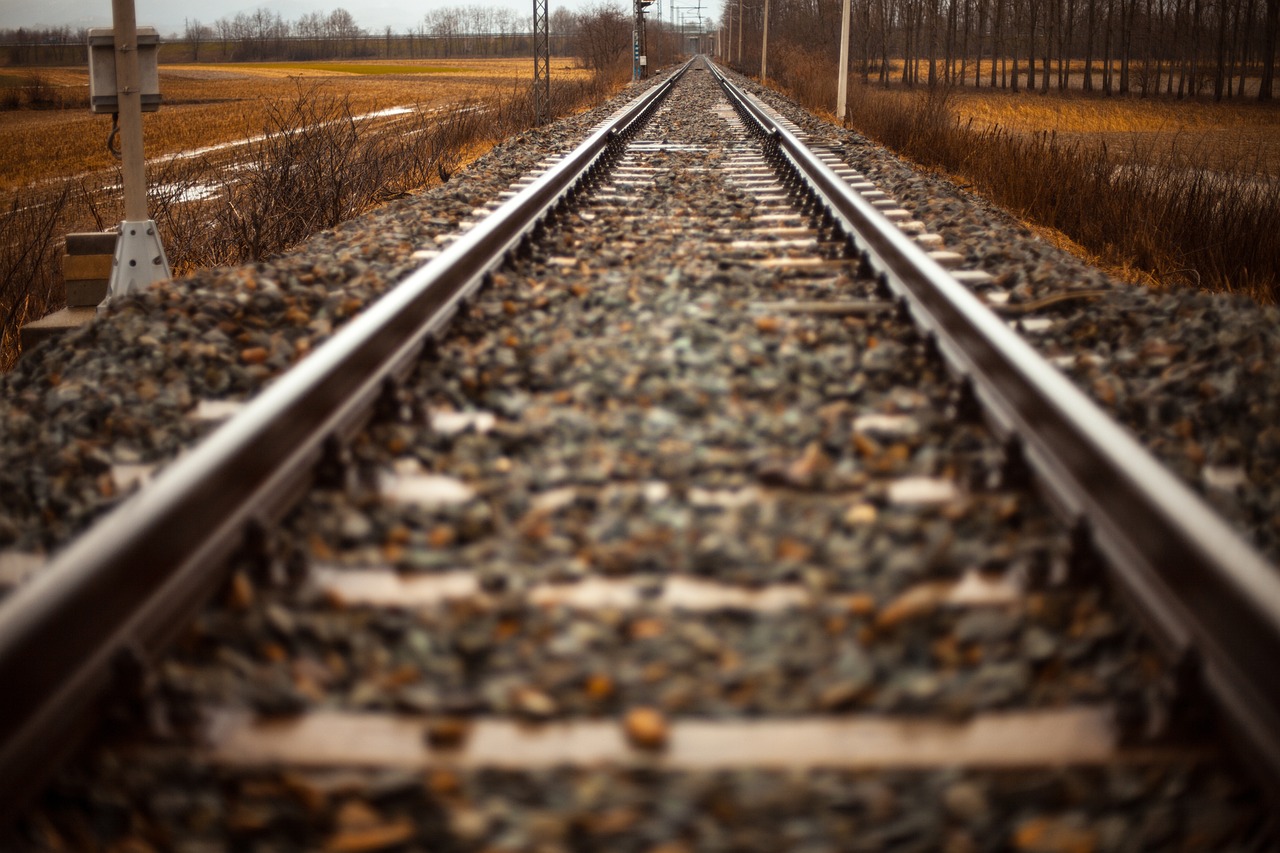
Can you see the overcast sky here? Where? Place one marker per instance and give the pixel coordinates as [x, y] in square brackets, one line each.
[168, 16]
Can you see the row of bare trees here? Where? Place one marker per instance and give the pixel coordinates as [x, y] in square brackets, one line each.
[30, 45]
[448, 31]
[473, 30]
[1226, 48]
[599, 35]
[601, 30]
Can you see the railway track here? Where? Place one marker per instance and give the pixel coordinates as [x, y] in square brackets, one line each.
[681, 503]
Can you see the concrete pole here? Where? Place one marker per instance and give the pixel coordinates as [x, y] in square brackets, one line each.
[635, 42]
[139, 260]
[764, 48]
[739, 30]
[728, 30]
[129, 100]
[842, 82]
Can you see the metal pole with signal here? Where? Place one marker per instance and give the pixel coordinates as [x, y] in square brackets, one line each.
[139, 260]
[842, 82]
[642, 56]
[639, 50]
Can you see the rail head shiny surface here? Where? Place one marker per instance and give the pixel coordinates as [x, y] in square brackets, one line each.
[127, 585]
[1208, 594]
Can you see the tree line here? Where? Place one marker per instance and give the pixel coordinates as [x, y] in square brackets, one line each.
[447, 31]
[471, 30]
[1181, 48]
[598, 35]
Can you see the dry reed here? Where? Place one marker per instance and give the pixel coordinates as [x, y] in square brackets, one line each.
[1180, 217]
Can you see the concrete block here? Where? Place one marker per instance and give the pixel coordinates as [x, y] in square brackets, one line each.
[92, 243]
[57, 323]
[86, 293]
[86, 267]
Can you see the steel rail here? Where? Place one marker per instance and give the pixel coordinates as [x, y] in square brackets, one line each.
[1210, 597]
[125, 587]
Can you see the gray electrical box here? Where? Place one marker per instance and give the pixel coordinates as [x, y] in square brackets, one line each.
[102, 69]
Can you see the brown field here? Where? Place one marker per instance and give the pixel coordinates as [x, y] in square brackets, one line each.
[1163, 192]
[210, 104]
[1235, 136]
[1176, 193]
[1240, 135]
[311, 159]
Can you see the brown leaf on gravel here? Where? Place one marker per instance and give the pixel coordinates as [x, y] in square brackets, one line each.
[356, 814]
[447, 732]
[792, 550]
[599, 687]
[917, 601]
[646, 629]
[240, 593]
[312, 796]
[319, 547]
[254, 355]
[812, 463]
[1046, 835]
[768, 325]
[862, 604]
[1105, 392]
[441, 536]
[865, 445]
[371, 838]
[1195, 452]
[615, 821]
[646, 728]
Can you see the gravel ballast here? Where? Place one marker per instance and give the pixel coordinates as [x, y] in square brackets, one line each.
[626, 404]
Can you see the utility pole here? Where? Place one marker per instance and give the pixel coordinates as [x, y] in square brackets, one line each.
[541, 63]
[842, 82]
[701, 29]
[639, 41]
[139, 259]
[739, 30]
[727, 32]
[637, 23]
[764, 48]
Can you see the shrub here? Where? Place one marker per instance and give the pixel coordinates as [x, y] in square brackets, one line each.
[28, 264]
[1155, 210]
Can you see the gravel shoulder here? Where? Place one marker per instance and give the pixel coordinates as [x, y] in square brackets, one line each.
[1196, 376]
[625, 405]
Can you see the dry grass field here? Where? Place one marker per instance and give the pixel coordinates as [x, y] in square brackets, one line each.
[319, 142]
[208, 105]
[1173, 193]
[1200, 134]
[1237, 134]
[1162, 192]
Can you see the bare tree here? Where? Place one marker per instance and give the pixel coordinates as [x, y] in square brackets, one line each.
[193, 33]
[603, 39]
[1269, 51]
